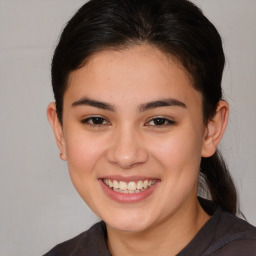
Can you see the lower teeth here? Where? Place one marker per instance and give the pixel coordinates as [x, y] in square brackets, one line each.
[129, 191]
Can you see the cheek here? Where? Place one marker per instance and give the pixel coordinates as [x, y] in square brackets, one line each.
[82, 150]
[179, 156]
[179, 153]
[83, 154]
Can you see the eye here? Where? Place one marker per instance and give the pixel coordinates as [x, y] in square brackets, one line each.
[95, 121]
[160, 121]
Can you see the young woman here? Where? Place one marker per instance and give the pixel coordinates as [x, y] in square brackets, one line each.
[138, 117]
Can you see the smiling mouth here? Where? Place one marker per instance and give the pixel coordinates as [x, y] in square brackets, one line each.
[131, 187]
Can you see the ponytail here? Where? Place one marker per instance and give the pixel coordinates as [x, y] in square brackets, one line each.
[219, 182]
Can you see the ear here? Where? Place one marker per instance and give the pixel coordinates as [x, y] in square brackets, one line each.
[215, 129]
[57, 129]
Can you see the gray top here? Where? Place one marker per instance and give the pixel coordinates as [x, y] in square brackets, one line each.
[223, 235]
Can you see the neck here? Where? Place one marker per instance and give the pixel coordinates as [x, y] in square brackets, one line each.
[167, 237]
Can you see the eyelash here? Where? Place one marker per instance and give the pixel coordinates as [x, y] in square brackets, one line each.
[98, 121]
[91, 121]
[163, 122]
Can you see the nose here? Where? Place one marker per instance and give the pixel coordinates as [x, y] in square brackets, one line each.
[127, 149]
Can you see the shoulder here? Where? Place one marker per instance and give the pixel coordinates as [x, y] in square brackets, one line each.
[233, 236]
[90, 242]
[67, 247]
[238, 247]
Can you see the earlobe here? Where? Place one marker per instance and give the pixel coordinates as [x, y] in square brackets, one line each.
[215, 129]
[57, 129]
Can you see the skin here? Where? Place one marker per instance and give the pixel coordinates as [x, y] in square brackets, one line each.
[129, 142]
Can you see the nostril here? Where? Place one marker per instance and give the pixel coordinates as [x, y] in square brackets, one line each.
[126, 148]
[127, 159]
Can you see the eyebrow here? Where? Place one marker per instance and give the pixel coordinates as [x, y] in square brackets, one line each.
[94, 103]
[161, 103]
[143, 107]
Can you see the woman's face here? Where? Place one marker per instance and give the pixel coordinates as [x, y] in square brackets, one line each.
[133, 121]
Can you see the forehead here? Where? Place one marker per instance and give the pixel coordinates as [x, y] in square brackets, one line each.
[139, 72]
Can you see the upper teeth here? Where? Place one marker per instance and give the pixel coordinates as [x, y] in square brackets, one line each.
[132, 186]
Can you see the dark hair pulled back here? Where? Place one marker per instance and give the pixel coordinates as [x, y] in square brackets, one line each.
[177, 28]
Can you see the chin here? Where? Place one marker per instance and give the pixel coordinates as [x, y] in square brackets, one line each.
[134, 228]
[127, 224]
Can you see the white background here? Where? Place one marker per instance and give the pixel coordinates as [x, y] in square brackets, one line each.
[39, 206]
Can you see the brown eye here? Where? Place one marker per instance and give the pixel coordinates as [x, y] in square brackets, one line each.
[95, 121]
[160, 121]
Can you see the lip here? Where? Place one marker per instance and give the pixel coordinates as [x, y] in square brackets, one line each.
[128, 198]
